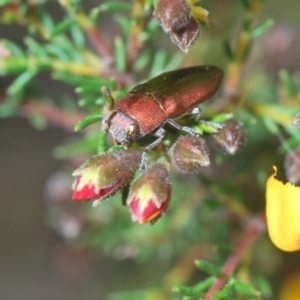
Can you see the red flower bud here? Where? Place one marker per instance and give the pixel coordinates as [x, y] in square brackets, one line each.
[103, 175]
[230, 137]
[172, 15]
[150, 194]
[190, 153]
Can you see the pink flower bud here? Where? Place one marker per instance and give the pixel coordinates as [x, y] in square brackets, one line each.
[150, 194]
[230, 137]
[190, 153]
[103, 175]
[172, 14]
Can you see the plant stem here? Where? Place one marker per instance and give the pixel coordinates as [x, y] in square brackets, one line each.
[138, 25]
[240, 52]
[255, 228]
[95, 36]
[180, 273]
[99, 43]
[53, 114]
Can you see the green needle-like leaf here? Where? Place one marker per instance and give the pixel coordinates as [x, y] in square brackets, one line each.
[261, 28]
[197, 290]
[226, 291]
[116, 6]
[21, 81]
[209, 268]
[246, 289]
[120, 54]
[87, 121]
[13, 48]
[288, 83]
[62, 27]
[35, 48]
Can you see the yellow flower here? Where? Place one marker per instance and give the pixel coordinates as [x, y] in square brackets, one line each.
[290, 289]
[283, 213]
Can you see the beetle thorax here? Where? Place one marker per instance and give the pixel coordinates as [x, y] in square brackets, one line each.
[123, 128]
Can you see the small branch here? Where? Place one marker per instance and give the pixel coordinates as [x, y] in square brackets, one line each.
[95, 37]
[180, 273]
[138, 26]
[99, 43]
[10, 14]
[185, 267]
[255, 228]
[55, 115]
[52, 114]
[240, 51]
[91, 31]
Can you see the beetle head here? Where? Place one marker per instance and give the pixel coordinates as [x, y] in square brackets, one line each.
[123, 128]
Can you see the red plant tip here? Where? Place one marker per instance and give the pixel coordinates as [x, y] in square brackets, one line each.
[172, 15]
[103, 175]
[150, 194]
[185, 37]
[190, 153]
[230, 137]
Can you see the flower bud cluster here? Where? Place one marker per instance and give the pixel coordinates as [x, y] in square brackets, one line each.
[103, 175]
[149, 195]
[190, 153]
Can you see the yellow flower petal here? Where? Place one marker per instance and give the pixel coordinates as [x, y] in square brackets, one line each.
[290, 289]
[283, 213]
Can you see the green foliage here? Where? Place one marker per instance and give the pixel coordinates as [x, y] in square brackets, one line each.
[197, 290]
[227, 291]
[209, 268]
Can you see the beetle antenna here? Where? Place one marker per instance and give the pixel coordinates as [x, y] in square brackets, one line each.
[110, 99]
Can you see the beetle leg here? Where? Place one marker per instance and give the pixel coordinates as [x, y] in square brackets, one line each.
[195, 111]
[216, 126]
[160, 133]
[143, 164]
[189, 130]
[183, 128]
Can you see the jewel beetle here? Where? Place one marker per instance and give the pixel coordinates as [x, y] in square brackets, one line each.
[149, 106]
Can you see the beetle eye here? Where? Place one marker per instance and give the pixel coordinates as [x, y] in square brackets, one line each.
[133, 132]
